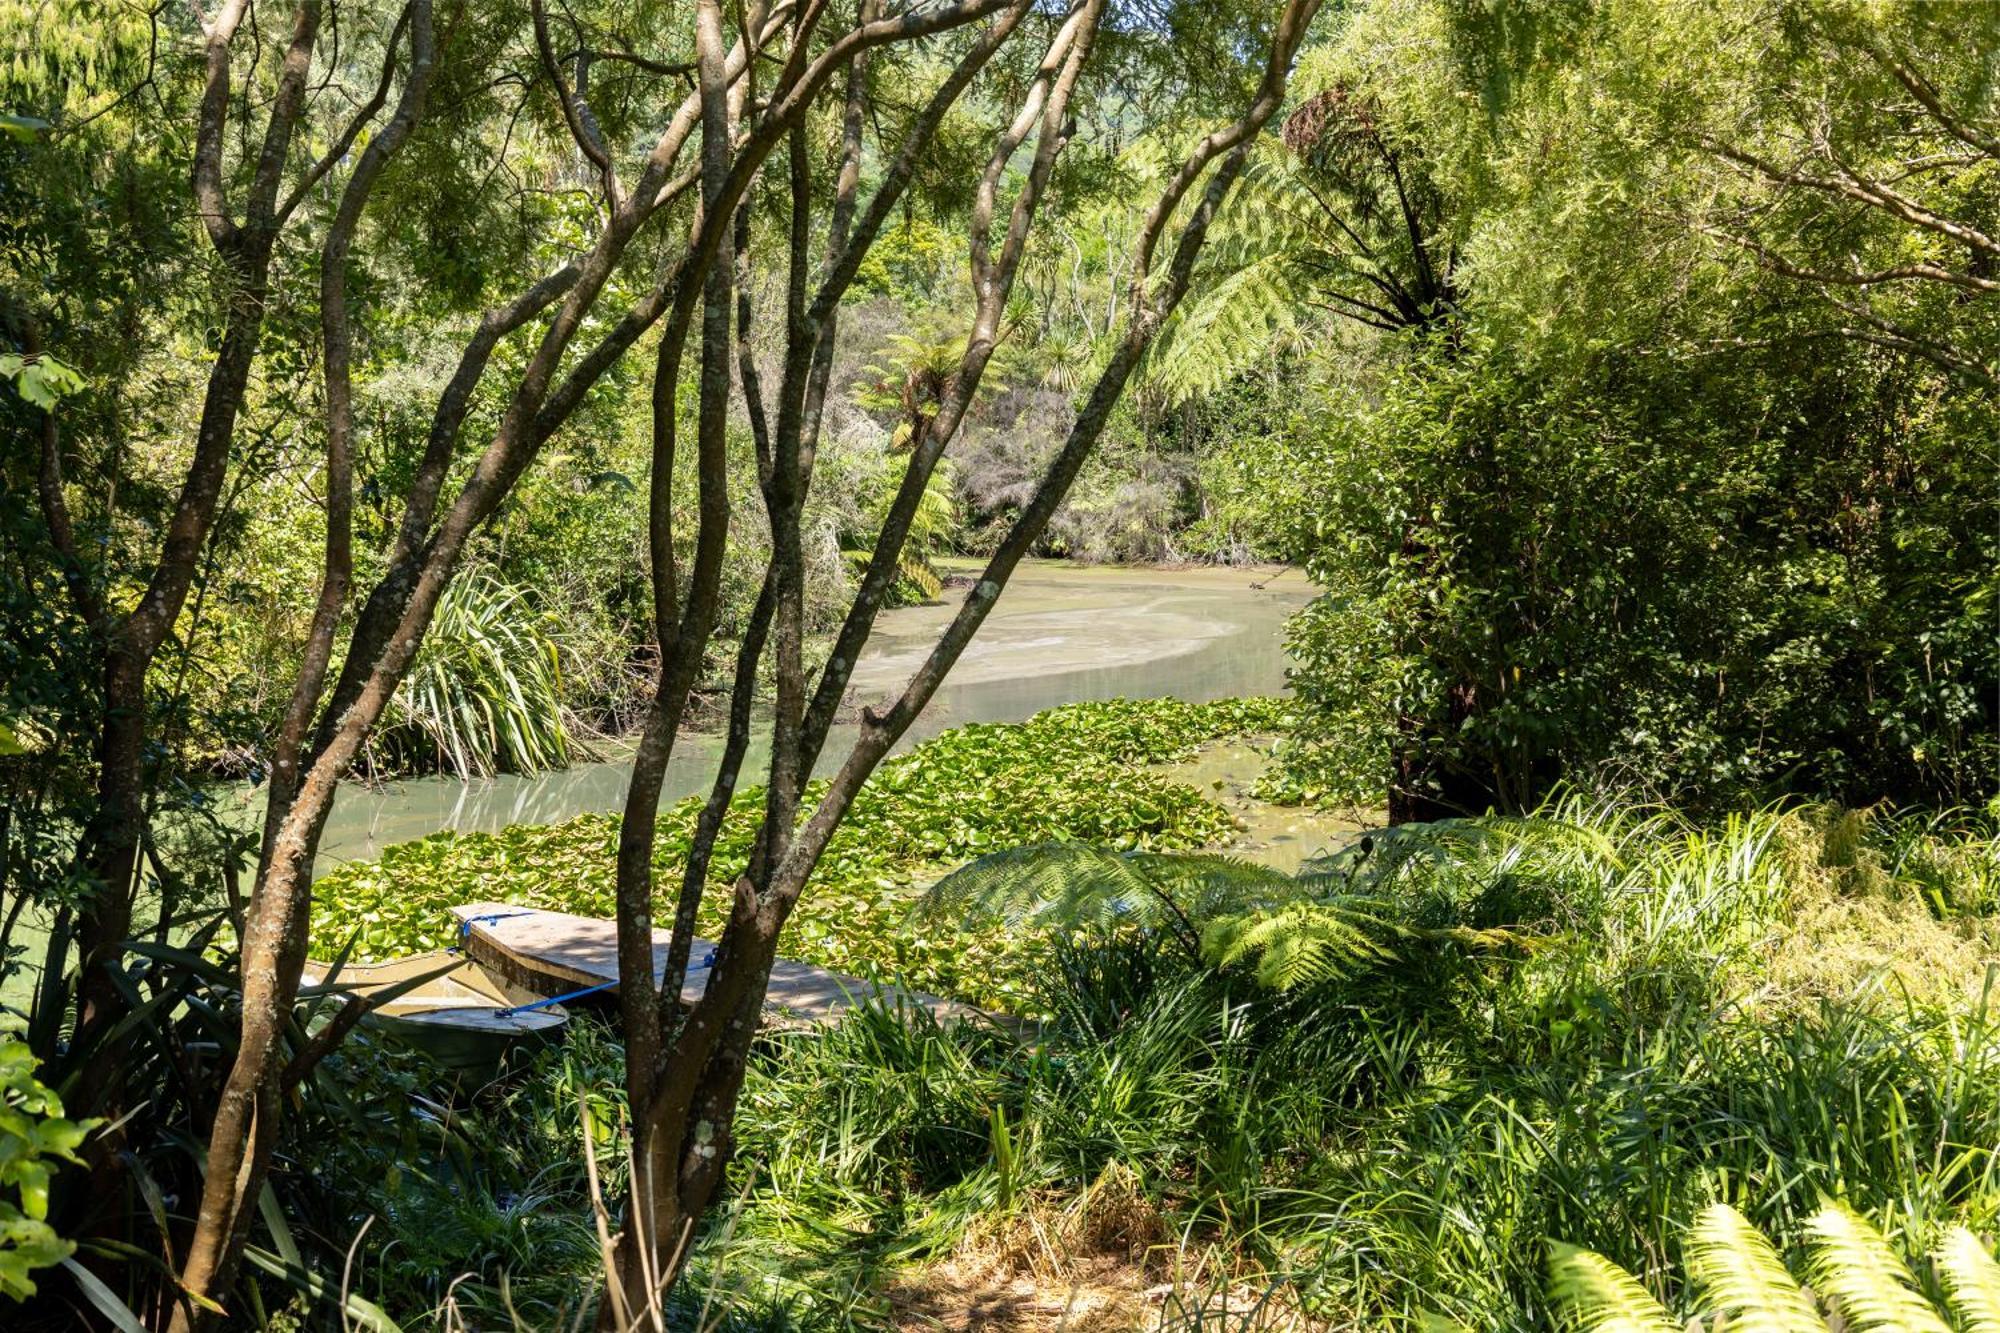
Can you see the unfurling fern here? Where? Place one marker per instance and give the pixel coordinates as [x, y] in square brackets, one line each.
[1290, 930]
[1738, 1280]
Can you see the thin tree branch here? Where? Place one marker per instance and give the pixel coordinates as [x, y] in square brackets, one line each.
[575, 111]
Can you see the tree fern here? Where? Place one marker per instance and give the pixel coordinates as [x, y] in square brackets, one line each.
[1226, 910]
[1074, 884]
[1259, 270]
[1597, 1296]
[1971, 1280]
[1298, 944]
[1850, 1264]
[1345, 220]
[934, 525]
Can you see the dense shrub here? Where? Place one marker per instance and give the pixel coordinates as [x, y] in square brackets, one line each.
[1536, 572]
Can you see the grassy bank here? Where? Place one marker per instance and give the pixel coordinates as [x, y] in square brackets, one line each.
[1584, 1025]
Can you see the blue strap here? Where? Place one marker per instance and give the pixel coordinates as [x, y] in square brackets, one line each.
[466, 924]
[554, 999]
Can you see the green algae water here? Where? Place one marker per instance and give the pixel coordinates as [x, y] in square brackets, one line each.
[1061, 633]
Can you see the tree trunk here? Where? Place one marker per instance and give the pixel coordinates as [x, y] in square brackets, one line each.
[682, 1130]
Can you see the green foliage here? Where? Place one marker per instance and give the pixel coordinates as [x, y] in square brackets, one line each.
[1296, 930]
[1544, 573]
[1649, 504]
[1397, 1138]
[485, 693]
[935, 525]
[41, 380]
[1073, 773]
[1601, 1297]
[1742, 1276]
[1857, 1280]
[34, 1140]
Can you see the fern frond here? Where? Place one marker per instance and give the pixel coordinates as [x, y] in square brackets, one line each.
[1849, 1263]
[1232, 323]
[1971, 1280]
[1065, 884]
[1597, 1296]
[1296, 944]
[1231, 909]
[1206, 884]
[1741, 1276]
[1271, 245]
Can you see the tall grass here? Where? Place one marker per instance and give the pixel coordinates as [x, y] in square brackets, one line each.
[485, 694]
[1395, 1143]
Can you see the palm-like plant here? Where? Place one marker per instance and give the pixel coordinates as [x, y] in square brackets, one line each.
[1853, 1280]
[1292, 930]
[1347, 220]
[934, 527]
[485, 693]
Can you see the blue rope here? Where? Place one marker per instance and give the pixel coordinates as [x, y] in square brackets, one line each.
[465, 926]
[554, 999]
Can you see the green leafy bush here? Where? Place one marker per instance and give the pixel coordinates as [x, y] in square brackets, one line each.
[485, 693]
[1540, 570]
[1073, 773]
[34, 1139]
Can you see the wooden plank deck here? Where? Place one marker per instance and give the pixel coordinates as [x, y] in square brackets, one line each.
[552, 953]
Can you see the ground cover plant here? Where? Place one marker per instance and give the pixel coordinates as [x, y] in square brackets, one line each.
[1077, 772]
[1579, 1025]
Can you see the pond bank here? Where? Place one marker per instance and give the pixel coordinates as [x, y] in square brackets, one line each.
[1284, 837]
[1061, 633]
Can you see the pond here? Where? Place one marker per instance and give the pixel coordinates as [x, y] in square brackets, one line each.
[1061, 633]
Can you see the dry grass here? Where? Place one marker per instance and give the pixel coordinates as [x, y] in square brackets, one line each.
[1838, 940]
[1852, 929]
[1096, 1262]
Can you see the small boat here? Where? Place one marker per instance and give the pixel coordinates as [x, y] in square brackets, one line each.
[555, 953]
[446, 1005]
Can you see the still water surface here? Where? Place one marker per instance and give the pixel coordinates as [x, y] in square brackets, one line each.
[1060, 633]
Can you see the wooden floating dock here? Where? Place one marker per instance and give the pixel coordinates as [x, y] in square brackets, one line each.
[554, 953]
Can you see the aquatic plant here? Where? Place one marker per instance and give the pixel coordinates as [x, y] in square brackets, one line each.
[1076, 773]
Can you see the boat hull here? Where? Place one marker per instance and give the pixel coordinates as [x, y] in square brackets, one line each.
[457, 1013]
